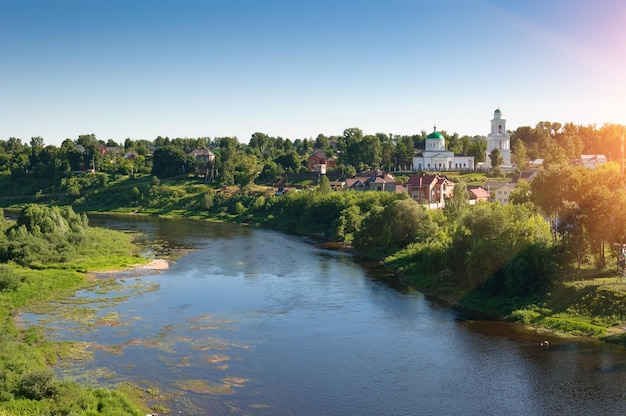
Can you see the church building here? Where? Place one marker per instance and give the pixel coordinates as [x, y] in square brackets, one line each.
[435, 157]
[499, 139]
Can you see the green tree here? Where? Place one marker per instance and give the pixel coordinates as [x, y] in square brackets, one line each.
[478, 148]
[495, 158]
[324, 185]
[170, 161]
[458, 203]
[245, 169]
[370, 151]
[519, 153]
[521, 193]
[290, 161]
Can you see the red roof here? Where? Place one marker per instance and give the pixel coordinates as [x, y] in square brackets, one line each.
[422, 180]
[478, 193]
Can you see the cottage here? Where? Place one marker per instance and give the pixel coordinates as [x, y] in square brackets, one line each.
[591, 161]
[202, 155]
[500, 191]
[373, 180]
[477, 194]
[318, 158]
[429, 188]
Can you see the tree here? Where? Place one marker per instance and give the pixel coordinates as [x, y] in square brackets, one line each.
[395, 226]
[458, 203]
[519, 153]
[170, 161]
[478, 148]
[260, 142]
[324, 185]
[228, 148]
[246, 168]
[289, 161]
[496, 158]
[370, 151]
[351, 142]
[408, 223]
[321, 142]
[521, 193]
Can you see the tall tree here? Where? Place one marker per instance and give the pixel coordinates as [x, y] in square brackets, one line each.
[458, 203]
[496, 158]
[170, 161]
[519, 153]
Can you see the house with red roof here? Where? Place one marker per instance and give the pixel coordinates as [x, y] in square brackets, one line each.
[373, 180]
[319, 161]
[429, 188]
[478, 194]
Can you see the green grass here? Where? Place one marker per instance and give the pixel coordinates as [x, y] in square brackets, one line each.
[24, 351]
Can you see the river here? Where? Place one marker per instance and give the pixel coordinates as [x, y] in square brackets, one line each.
[255, 322]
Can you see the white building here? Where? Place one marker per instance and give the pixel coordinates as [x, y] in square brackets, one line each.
[436, 157]
[499, 139]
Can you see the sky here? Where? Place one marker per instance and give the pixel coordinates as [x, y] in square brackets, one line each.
[298, 68]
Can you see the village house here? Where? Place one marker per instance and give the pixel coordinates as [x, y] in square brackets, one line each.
[373, 180]
[527, 175]
[202, 155]
[500, 191]
[132, 155]
[429, 188]
[318, 161]
[591, 161]
[477, 194]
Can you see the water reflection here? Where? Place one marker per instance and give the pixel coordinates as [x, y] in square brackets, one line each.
[257, 322]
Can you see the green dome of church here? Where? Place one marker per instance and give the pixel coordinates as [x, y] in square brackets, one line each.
[435, 135]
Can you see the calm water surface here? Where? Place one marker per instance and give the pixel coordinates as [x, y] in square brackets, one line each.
[254, 322]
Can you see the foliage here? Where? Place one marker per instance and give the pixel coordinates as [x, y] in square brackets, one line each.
[587, 207]
[27, 385]
[9, 279]
[43, 235]
[37, 384]
[171, 161]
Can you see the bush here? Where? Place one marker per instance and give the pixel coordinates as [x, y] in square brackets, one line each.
[9, 280]
[38, 384]
[239, 208]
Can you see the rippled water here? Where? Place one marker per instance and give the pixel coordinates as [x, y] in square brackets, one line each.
[261, 323]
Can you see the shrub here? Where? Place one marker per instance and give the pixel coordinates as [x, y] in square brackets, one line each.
[239, 208]
[9, 280]
[38, 384]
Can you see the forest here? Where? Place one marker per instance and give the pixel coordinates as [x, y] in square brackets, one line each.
[265, 158]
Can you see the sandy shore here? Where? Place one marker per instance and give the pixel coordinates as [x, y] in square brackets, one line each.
[156, 264]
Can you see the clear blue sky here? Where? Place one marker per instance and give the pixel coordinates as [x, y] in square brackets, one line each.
[289, 68]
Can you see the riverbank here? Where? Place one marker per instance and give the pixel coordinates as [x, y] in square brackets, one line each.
[42, 271]
[155, 264]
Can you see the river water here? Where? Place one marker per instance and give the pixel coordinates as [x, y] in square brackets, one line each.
[255, 322]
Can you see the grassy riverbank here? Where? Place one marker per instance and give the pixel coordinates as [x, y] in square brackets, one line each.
[28, 385]
[587, 303]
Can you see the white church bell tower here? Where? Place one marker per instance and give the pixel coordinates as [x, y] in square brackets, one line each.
[499, 139]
